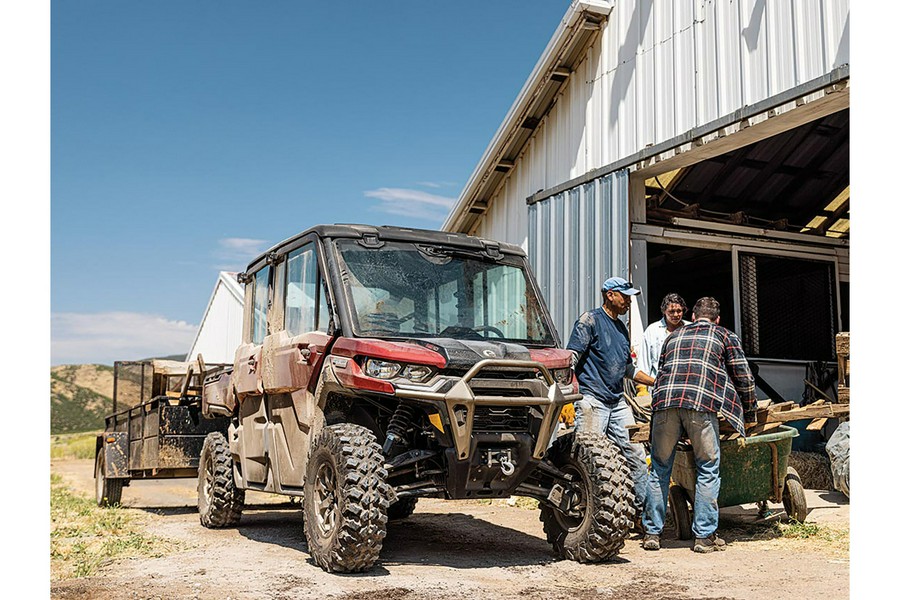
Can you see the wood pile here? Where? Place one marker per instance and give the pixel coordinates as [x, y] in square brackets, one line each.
[842, 349]
[769, 417]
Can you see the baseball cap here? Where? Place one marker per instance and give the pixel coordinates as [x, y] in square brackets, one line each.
[617, 284]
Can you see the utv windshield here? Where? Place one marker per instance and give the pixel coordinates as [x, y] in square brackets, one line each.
[402, 289]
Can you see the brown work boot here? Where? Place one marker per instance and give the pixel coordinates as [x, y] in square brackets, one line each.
[637, 525]
[709, 544]
[651, 542]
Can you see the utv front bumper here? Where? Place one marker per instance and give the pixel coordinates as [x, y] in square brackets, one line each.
[492, 384]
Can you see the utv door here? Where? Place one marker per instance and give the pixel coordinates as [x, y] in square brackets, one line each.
[248, 383]
[292, 359]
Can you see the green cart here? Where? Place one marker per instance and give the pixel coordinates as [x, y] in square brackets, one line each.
[753, 469]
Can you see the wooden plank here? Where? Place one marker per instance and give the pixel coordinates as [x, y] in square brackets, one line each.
[842, 343]
[817, 424]
[819, 411]
[843, 395]
[811, 412]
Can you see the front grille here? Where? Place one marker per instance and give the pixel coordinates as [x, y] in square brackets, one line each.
[501, 418]
[505, 392]
[503, 374]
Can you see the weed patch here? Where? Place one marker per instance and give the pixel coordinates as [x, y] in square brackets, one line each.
[74, 445]
[83, 536]
[799, 536]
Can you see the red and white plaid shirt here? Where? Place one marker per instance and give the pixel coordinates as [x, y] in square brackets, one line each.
[702, 367]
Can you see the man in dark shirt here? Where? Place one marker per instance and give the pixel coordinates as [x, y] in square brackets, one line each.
[602, 356]
[702, 371]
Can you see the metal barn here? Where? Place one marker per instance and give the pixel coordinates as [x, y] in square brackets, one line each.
[696, 146]
[219, 333]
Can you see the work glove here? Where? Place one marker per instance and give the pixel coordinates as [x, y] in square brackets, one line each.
[567, 415]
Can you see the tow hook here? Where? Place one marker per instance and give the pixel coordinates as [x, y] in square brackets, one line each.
[504, 458]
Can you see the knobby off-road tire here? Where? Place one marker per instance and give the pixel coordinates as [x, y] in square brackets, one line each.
[219, 502]
[402, 508]
[607, 502]
[681, 513]
[793, 497]
[107, 491]
[345, 502]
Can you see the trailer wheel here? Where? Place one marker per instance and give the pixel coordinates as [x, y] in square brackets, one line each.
[345, 499]
[107, 491]
[219, 502]
[606, 505]
[681, 513]
[402, 508]
[793, 497]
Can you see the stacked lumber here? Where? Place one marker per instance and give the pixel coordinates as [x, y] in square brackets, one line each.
[769, 417]
[842, 349]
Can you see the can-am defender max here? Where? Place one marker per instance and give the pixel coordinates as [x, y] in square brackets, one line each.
[380, 365]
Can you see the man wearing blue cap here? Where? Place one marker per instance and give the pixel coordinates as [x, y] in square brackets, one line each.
[602, 358]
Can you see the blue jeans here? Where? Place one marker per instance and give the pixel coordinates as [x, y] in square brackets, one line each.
[702, 428]
[610, 420]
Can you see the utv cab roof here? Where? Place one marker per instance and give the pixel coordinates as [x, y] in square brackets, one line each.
[387, 233]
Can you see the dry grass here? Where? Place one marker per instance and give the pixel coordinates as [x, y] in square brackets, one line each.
[83, 536]
[833, 539]
[73, 445]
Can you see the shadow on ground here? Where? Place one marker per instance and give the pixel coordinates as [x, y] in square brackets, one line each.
[453, 540]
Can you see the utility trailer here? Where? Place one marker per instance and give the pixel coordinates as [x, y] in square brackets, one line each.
[155, 430]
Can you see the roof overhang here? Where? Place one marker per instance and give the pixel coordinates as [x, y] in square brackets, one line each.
[565, 50]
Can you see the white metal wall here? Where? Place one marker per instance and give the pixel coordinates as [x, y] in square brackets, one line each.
[659, 69]
[579, 239]
[220, 330]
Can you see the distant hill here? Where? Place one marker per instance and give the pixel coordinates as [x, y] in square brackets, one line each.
[80, 396]
[175, 357]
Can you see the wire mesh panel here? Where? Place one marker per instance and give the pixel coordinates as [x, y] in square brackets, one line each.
[788, 307]
[134, 383]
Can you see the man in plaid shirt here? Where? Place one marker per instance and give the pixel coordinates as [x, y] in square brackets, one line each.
[702, 371]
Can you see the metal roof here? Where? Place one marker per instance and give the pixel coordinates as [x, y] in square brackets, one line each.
[797, 181]
[535, 100]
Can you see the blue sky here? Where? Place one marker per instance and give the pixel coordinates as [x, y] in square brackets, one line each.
[187, 137]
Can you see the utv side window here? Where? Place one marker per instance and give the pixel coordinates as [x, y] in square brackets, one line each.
[323, 320]
[302, 282]
[260, 304]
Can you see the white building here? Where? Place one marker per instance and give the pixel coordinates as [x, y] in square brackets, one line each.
[695, 146]
[219, 333]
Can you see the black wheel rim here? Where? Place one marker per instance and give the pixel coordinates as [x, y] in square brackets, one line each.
[574, 521]
[206, 484]
[325, 499]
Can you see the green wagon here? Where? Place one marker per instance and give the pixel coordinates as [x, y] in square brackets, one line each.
[753, 469]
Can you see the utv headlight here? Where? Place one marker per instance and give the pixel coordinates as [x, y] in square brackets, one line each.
[382, 369]
[385, 369]
[417, 373]
[562, 376]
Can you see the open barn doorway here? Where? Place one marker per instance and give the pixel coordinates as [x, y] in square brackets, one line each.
[691, 272]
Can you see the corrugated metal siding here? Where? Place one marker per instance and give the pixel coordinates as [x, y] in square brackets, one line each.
[659, 69]
[577, 239]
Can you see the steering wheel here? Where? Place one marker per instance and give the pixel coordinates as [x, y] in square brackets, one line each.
[489, 329]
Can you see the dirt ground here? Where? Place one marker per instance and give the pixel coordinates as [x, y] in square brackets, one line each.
[446, 550]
